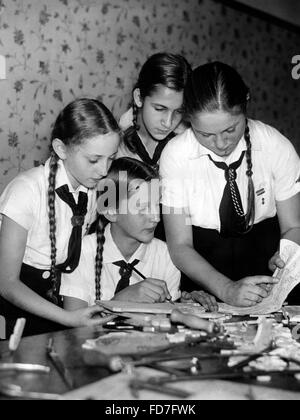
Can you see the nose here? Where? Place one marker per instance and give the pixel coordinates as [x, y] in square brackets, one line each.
[220, 142]
[167, 120]
[154, 216]
[102, 168]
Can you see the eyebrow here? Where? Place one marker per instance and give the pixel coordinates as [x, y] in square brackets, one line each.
[164, 106]
[97, 156]
[212, 134]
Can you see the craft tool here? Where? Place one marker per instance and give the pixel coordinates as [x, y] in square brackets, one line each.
[121, 326]
[16, 336]
[195, 322]
[59, 365]
[137, 385]
[223, 375]
[15, 391]
[24, 367]
[253, 357]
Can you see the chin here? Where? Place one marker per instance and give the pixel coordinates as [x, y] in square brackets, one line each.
[90, 184]
[146, 238]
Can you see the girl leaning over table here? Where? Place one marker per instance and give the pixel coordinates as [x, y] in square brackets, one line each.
[45, 211]
[230, 191]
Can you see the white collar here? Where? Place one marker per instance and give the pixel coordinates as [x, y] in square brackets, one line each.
[111, 252]
[62, 177]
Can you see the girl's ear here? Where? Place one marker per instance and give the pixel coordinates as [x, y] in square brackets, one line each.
[137, 98]
[59, 148]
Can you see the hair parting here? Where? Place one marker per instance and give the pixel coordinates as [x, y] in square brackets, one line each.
[134, 169]
[79, 121]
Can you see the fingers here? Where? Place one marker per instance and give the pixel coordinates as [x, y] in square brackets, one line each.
[276, 262]
[262, 279]
[266, 287]
[102, 320]
[186, 296]
[258, 291]
[160, 286]
[206, 300]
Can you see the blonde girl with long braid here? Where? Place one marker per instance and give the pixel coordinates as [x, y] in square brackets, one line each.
[45, 212]
[230, 191]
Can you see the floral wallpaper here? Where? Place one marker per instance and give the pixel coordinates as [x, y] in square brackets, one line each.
[61, 49]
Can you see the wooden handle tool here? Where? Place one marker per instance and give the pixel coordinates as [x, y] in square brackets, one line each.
[194, 322]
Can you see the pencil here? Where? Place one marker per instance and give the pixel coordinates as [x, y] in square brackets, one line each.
[137, 271]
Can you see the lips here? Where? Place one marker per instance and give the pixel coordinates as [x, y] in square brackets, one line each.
[163, 133]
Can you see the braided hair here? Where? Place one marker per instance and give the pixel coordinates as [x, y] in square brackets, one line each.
[169, 70]
[122, 171]
[217, 86]
[82, 119]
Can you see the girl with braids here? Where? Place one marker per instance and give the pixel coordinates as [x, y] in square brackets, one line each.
[157, 107]
[45, 211]
[157, 110]
[227, 182]
[131, 205]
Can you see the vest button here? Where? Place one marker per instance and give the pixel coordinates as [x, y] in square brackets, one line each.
[46, 275]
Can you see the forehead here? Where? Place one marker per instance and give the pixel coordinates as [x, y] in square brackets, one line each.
[214, 122]
[169, 98]
[101, 145]
[144, 192]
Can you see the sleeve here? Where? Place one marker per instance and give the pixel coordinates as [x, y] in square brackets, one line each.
[285, 167]
[80, 283]
[171, 274]
[19, 202]
[172, 171]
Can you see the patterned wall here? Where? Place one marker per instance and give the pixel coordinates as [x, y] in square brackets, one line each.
[60, 49]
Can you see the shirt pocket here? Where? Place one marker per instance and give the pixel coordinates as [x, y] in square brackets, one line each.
[264, 200]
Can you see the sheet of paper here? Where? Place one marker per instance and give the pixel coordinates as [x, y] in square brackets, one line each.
[289, 277]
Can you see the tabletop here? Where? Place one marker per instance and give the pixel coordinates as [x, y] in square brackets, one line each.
[68, 344]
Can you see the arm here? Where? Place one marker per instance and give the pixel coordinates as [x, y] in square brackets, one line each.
[288, 212]
[245, 292]
[13, 239]
[72, 304]
[289, 218]
[180, 242]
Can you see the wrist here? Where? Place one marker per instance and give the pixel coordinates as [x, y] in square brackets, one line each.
[67, 318]
[225, 291]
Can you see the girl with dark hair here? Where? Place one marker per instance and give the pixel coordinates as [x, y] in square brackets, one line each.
[157, 107]
[130, 202]
[157, 111]
[46, 210]
[227, 182]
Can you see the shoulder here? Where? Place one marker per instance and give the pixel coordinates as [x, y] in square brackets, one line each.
[28, 182]
[180, 146]
[123, 151]
[159, 248]
[268, 138]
